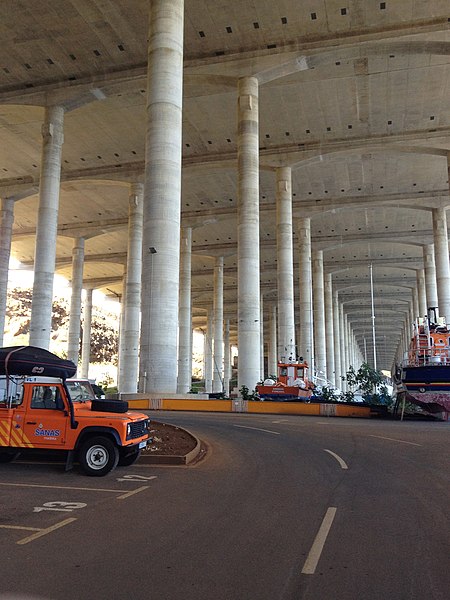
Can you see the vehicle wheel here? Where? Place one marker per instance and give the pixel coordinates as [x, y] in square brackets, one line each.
[6, 457]
[129, 459]
[98, 456]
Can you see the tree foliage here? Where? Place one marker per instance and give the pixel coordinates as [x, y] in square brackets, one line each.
[103, 336]
[369, 382]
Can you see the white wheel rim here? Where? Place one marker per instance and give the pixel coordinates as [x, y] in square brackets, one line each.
[97, 457]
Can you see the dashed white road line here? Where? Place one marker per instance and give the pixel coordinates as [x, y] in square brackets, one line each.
[258, 429]
[394, 440]
[309, 568]
[340, 460]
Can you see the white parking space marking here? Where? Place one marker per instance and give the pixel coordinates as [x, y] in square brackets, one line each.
[60, 487]
[20, 527]
[60, 506]
[281, 421]
[340, 460]
[309, 568]
[258, 429]
[43, 532]
[136, 478]
[128, 494]
[394, 440]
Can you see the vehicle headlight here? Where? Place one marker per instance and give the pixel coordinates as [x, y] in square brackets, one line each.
[128, 430]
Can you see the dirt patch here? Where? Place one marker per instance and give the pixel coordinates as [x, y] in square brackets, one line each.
[169, 440]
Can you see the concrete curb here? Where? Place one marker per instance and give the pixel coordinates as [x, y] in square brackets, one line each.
[168, 459]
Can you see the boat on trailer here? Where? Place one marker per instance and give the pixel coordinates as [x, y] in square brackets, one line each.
[292, 383]
[424, 377]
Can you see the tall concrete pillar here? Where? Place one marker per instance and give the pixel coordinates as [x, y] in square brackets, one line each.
[440, 236]
[131, 303]
[46, 228]
[344, 365]
[320, 359]
[6, 224]
[305, 346]
[285, 265]
[329, 331]
[185, 315]
[272, 363]
[162, 197]
[348, 359]
[336, 341]
[261, 320]
[208, 353]
[218, 325]
[123, 302]
[248, 234]
[73, 346]
[430, 275]
[86, 344]
[226, 359]
[422, 293]
[415, 303]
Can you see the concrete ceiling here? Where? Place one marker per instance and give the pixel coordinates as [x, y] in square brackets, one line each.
[354, 96]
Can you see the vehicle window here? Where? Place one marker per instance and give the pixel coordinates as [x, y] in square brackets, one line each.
[45, 396]
[11, 393]
[80, 391]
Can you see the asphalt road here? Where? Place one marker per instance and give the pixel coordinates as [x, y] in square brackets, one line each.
[282, 508]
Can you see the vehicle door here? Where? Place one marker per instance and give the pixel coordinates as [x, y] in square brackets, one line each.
[45, 421]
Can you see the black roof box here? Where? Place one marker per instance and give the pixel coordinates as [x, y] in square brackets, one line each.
[30, 360]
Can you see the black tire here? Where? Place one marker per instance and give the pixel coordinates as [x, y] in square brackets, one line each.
[129, 459]
[98, 456]
[6, 456]
[114, 406]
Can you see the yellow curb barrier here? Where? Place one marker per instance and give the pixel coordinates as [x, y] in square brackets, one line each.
[281, 408]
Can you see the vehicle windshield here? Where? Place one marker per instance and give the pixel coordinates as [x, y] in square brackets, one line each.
[80, 391]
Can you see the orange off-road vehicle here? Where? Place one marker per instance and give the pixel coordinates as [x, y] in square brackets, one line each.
[38, 413]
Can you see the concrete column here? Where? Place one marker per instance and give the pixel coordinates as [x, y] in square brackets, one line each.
[185, 315]
[131, 303]
[73, 346]
[415, 303]
[336, 341]
[422, 293]
[344, 365]
[348, 359]
[440, 236]
[320, 359]
[46, 228]
[162, 197]
[329, 332]
[285, 265]
[208, 354]
[218, 325]
[226, 359]
[86, 344]
[248, 234]
[123, 302]
[272, 363]
[262, 352]
[305, 346]
[6, 224]
[430, 276]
